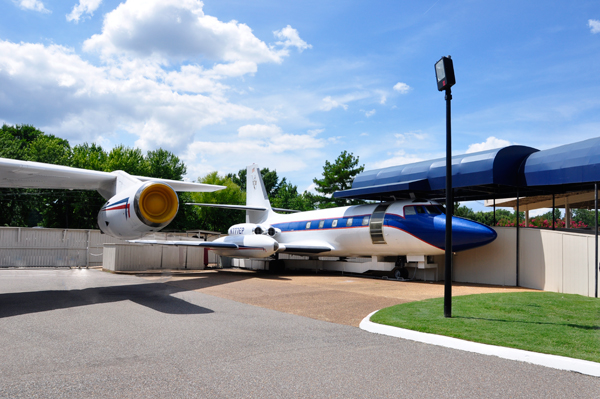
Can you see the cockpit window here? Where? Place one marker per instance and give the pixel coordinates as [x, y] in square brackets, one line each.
[422, 210]
[432, 210]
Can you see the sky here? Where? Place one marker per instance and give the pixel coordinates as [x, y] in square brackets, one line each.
[290, 85]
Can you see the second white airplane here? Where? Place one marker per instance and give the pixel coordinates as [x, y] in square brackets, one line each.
[408, 227]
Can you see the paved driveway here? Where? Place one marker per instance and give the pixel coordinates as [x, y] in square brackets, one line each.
[89, 334]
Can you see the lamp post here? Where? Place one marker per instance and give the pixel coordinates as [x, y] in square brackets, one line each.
[444, 72]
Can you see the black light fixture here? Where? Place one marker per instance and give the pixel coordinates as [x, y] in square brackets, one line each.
[444, 72]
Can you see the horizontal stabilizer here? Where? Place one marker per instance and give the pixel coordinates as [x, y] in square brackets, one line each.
[241, 207]
[205, 244]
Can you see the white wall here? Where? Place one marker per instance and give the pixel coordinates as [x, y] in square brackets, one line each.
[558, 261]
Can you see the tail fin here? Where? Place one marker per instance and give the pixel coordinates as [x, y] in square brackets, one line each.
[256, 195]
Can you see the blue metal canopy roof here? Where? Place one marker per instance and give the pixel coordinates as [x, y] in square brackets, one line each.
[487, 168]
[568, 164]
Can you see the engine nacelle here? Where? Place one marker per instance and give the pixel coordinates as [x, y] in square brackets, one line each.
[249, 246]
[139, 210]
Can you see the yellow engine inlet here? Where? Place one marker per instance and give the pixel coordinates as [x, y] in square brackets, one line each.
[158, 203]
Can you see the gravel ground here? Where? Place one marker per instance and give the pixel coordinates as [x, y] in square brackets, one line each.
[89, 334]
[336, 298]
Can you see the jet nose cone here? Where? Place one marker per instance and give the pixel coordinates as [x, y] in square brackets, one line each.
[467, 234]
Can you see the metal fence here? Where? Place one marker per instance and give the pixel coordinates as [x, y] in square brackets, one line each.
[41, 247]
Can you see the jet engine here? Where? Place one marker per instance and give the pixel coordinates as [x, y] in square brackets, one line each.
[253, 229]
[139, 210]
[266, 230]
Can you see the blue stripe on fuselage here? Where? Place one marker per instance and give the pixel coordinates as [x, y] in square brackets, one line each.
[300, 225]
[431, 229]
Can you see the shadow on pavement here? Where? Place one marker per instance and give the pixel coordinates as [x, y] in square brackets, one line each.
[155, 296]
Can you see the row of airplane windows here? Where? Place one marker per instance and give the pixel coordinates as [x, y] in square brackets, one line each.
[355, 222]
[335, 223]
[327, 223]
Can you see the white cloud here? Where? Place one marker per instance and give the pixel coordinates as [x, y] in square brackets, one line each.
[84, 7]
[370, 113]
[314, 132]
[408, 137]
[291, 38]
[179, 30]
[33, 5]
[63, 93]
[330, 103]
[383, 100]
[398, 158]
[491, 143]
[594, 25]
[402, 88]
[273, 148]
[162, 79]
[259, 131]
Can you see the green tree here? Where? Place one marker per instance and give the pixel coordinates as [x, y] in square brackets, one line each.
[216, 219]
[89, 156]
[130, 160]
[288, 198]
[337, 176]
[15, 140]
[165, 165]
[269, 177]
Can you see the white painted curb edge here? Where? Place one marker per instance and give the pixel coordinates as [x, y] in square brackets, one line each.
[541, 359]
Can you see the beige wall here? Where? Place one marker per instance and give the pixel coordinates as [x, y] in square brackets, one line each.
[556, 261]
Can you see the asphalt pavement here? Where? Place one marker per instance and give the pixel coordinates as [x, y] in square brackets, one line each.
[87, 333]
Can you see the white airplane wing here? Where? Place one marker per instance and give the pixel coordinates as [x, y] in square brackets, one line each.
[205, 244]
[299, 248]
[303, 248]
[26, 174]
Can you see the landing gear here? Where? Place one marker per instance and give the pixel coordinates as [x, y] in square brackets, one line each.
[400, 272]
[276, 265]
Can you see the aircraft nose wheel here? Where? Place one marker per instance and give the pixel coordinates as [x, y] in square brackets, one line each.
[400, 273]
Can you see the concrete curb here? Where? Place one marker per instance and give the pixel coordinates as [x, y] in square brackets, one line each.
[541, 359]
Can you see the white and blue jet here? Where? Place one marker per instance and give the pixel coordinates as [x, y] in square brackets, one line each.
[406, 227]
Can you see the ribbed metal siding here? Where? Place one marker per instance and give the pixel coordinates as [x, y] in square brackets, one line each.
[139, 257]
[33, 247]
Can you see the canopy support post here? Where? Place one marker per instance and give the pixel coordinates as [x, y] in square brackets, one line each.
[553, 217]
[596, 237]
[518, 230]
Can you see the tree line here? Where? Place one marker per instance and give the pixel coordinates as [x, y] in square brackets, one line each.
[79, 208]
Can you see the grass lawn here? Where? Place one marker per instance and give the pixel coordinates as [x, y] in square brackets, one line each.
[545, 322]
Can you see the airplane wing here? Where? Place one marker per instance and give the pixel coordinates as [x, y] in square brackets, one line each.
[205, 244]
[303, 248]
[25, 174]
